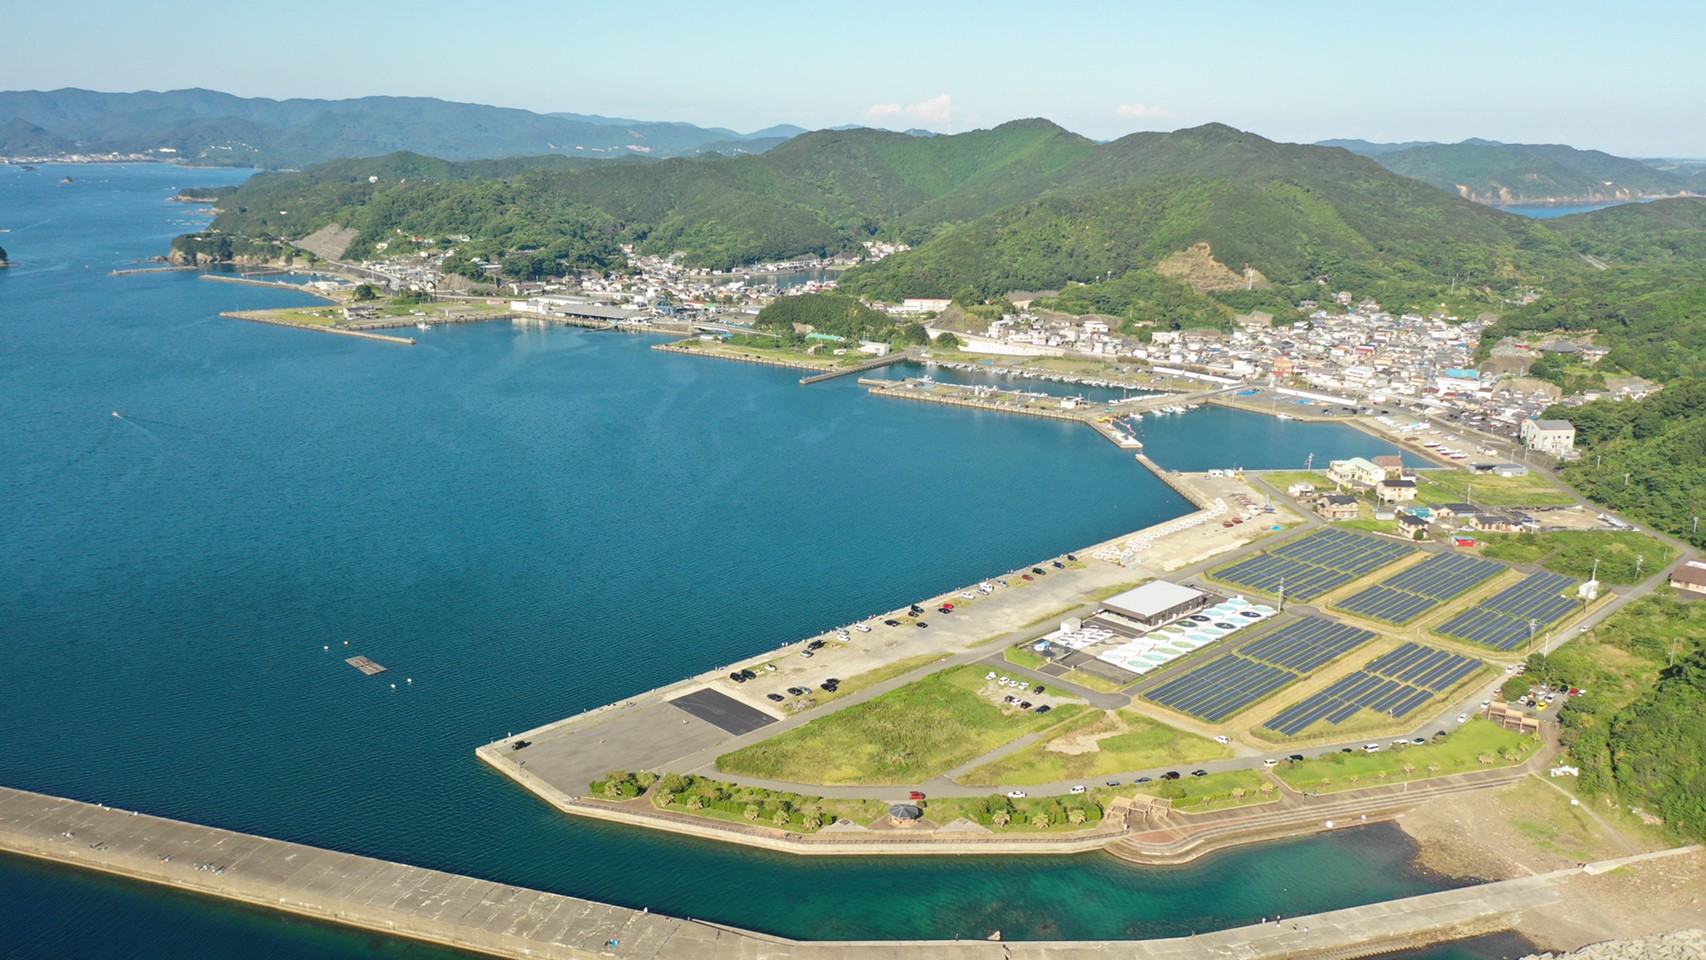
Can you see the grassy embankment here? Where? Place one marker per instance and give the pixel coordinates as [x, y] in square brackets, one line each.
[1474, 746]
[1098, 745]
[907, 735]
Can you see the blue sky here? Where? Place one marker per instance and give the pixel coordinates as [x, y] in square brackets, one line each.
[1626, 77]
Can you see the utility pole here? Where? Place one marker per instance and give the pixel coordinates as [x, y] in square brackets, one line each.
[1626, 479]
[1282, 595]
[1696, 525]
[1639, 559]
[1595, 575]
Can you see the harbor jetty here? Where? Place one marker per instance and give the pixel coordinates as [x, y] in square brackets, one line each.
[259, 317]
[503, 920]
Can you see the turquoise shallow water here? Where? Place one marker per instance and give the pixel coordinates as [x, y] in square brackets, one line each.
[527, 523]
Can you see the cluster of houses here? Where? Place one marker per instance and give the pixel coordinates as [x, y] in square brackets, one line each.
[1393, 488]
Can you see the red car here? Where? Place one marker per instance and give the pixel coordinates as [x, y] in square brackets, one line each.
[917, 794]
[1027, 576]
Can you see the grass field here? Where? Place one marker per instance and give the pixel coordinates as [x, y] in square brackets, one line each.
[1281, 479]
[1573, 552]
[799, 357]
[904, 736]
[1104, 744]
[1457, 486]
[1476, 745]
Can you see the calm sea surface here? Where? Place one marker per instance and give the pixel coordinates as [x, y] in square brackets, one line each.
[527, 523]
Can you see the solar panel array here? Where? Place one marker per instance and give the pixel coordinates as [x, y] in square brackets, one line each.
[1306, 644]
[1502, 620]
[1395, 684]
[1422, 587]
[1230, 684]
[1314, 565]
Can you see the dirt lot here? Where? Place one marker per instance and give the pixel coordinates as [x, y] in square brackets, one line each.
[1531, 827]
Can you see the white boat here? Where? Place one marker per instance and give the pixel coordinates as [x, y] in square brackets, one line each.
[1285, 416]
[422, 325]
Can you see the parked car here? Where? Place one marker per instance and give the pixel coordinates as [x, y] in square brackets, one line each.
[1223, 739]
[1016, 794]
[1170, 775]
[1043, 709]
[916, 795]
[776, 697]
[1077, 788]
[1039, 571]
[1199, 773]
[891, 623]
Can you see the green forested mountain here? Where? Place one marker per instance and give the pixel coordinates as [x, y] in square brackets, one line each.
[213, 128]
[1026, 205]
[1489, 172]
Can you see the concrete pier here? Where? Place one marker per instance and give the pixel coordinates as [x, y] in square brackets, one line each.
[508, 921]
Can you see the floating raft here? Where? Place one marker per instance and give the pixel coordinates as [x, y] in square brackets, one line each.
[365, 665]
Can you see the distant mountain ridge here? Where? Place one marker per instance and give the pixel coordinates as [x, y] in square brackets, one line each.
[212, 128]
[1491, 172]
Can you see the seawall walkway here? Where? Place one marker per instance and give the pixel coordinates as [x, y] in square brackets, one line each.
[509, 921]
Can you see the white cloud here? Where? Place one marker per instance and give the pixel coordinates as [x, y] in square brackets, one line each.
[1138, 111]
[937, 111]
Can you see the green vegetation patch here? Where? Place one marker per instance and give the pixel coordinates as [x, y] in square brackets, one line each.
[1457, 486]
[1476, 745]
[907, 735]
[1022, 814]
[717, 800]
[1098, 745]
[1216, 791]
[1649, 457]
[1573, 552]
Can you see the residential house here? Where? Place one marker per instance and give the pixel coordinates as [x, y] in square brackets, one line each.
[1689, 575]
[1554, 437]
[1495, 522]
[1337, 506]
[1355, 471]
[1396, 491]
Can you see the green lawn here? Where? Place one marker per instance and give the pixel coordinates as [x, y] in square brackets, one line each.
[1458, 486]
[1463, 750]
[904, 736]
[1143, 744]
[1572, 552]
[1281, 479]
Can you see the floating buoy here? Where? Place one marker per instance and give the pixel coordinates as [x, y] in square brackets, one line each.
[115, 413]
[393, 686]
[411, 679]
[346, 643]
[325, 647]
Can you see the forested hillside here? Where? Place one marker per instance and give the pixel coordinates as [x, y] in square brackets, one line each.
[1646, 458]
[1490, 172]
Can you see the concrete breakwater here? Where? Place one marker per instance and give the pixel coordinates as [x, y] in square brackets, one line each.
[508, 921]
[344, 331]
[274, 284]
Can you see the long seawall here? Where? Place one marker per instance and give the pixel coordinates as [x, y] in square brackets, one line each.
[508, 921]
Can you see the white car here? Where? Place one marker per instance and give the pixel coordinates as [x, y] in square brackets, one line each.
[1077, 789]
[990, 675]
[862, 628]
[1223, 738]
[1463, 718]
[968, 595]
[1016, 794]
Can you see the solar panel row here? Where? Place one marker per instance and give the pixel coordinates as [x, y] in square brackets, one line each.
[1306, 644]
[1231, 684]
[1511, 616]
[1221, 688]
[1315, 564]
[1426, 667]
[1345, 698]
[1421, 588]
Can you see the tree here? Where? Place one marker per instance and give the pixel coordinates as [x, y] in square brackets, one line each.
[1001, 818]
[1433, 768]
[1409, 768]
[695, 802]
[780, 819]
[673, 783]
[1238, 793]
[365, 292]
[1040, 821]
[751, 812]
[1485, 759]
[947, 341]
[1075, 816]
[665, 798]
[1267, 788]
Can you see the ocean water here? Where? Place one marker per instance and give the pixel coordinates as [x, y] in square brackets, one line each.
[524, 522]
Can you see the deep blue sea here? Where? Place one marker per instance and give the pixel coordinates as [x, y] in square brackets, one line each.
[527, 522]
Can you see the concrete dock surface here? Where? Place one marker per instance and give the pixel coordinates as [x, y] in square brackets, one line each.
[508, 921]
